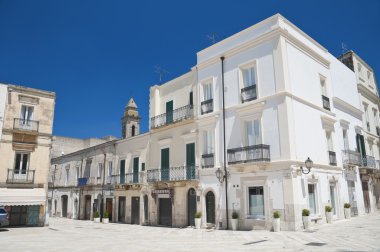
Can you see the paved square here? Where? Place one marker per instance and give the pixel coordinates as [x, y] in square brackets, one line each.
[357, 234]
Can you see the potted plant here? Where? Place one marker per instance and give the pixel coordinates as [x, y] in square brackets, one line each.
[276, 221]
[328, 210]
[234, 220]
[96, 217]
[197, 220]
[306, 218]
[347, 210]
[106, 218]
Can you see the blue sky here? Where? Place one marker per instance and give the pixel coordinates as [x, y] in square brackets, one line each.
[97, 54]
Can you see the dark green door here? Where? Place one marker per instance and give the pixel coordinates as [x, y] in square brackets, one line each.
[165, 164]
[136, 170]
[210, 207]
[190, 161]
[191, 206]
[122, 172]
[169, 112]
[361, 148]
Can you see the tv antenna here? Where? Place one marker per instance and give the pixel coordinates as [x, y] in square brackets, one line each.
[160, 71]
[344, 48]
[213, 37]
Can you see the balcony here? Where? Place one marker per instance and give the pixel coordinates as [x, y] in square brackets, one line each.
[207, 106]
[25, 125]
[326, 102]
[177, 115]
[208, 160]
[248, 93]
[368, 162]
[128, 178]
[249, 154]
[82, 182]
[20, 176]
[351, 158]
[180, 173]
[332, 158]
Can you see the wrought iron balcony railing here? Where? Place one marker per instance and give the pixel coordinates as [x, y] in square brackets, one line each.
[82, 181]
[248, 154]
[177, 115]
[326, 102]
[94, 181]
[368, 162]
[248, 93]
[207, 106]
[25, 125]
[351, 157]
[332, 158]
[128, 178]
[20, 176]
[208, 160]
[180, 173]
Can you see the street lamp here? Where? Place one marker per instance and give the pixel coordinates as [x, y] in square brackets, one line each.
[221, 175]
[308, 165]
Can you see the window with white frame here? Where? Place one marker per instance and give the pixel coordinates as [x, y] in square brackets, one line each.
[21, 163]
[345, 139]
[100, 170]
[252, 132]
[376, 122]
[256, 208]
[109, 168]
[207, 104]
[77, 172]
[325, 97]
[249, 83]
[26, 114]
[208, 141]
[366, 116]
[312, 196]
[67, 168]
[329, 141]
[207, 91]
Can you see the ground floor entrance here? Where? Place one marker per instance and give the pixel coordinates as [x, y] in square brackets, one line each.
[135, 214]
[23, 215]
[165, 212]
[109, 208]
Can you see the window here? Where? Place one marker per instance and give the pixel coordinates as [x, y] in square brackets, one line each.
[329, 141]
[133, 130]
[207, 91]
[21, 163]
[256, 202]
[100, 170]
[367, 117]
[191, 98]
[67, 167]
[345, 139]
[312, 199]
[253, 132]
[207, 104]
[26, 114]
[249, 87]
[208, 141]
[77, 173]
[87, 169]
[359, 68]
[109, 168]
[325, 97]
[142, 166]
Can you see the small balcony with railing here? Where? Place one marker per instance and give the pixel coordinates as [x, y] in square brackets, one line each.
[25, 125]
[173, 174]
[248, 93]
[20, 176]
[207, 106]
[326, 102]
[332, 158]
[128, 178]
[171, 117]
[249, 154]
[208, 160]
[351, 158]
[368, 162]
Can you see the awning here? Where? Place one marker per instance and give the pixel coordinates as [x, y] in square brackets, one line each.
[22, 197]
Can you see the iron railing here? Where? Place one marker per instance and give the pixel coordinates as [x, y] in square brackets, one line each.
[332, 158]
[24, 124]
[82, 181]
[207, 106]
[128, 178]
[171, 117]
[94, 181]
[20, 176]
[248, 93]
[180, 173]
[368, 162]
[350, 157]
[248, 154]
[208, 160]
[326, 102]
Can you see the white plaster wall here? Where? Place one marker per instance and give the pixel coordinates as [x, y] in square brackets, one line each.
[3, 96]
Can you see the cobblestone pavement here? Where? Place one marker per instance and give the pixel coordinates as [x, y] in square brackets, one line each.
[357, 234]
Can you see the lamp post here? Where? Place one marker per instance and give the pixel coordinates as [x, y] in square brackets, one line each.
[308, 165]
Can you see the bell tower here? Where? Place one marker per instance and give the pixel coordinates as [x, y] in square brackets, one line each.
[130, 122]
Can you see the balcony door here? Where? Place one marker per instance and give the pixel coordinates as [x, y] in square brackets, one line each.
[169, 112]
[361, 148]
[21, 165]
[135, 170]
[165, 164]
[190, 161]
[122, 171]
[26, 115]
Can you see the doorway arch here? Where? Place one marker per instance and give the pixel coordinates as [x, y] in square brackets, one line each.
[210, 207]
[191, 206]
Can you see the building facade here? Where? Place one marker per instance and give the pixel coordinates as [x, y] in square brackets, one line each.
[25, 153]
[256, 105]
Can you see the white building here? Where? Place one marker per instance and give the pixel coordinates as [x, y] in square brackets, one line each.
[3, 95]
[285, 99]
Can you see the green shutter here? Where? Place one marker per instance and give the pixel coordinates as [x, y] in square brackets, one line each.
[122, 171]
[165, 164]
[136, 170]
[190, 161]
[169, 112]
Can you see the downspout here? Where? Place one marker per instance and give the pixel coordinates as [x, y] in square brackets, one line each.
[224, 140]
[80, 190]
[102, 201]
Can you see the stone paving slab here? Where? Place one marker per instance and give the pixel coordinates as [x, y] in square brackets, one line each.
[357, 234]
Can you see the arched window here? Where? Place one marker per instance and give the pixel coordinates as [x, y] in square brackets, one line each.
[133, 130]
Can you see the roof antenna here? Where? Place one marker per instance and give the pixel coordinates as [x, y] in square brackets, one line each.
[344, 48]
[213, 37]
[160, 71]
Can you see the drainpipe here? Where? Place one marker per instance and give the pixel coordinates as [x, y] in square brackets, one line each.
[102, 200]
[224, 140]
